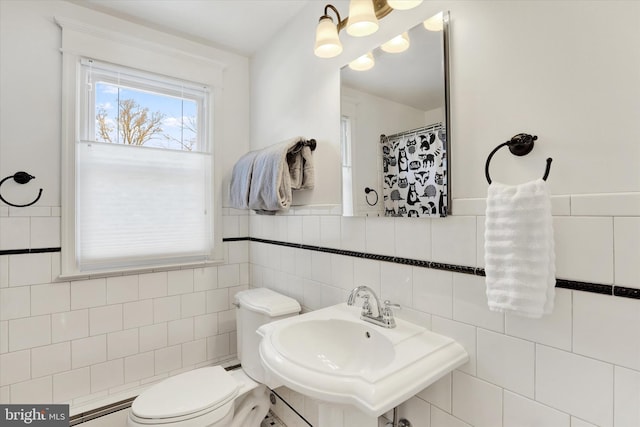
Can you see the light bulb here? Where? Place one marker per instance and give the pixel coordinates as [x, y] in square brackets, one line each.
[362, 19]
[327, 41]
[363, 63]
[434, 23]
[398, 44]
[403, 4]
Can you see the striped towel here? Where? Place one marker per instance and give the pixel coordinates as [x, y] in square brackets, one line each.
[519, 249]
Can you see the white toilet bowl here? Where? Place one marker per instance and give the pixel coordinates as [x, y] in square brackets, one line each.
[205, 397]
[212, 396]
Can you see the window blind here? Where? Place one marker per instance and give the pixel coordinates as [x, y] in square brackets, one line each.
[139, 206]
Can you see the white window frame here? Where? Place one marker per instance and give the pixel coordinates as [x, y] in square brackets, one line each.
[82, 40]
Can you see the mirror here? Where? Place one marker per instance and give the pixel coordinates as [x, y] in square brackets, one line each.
[394, 128]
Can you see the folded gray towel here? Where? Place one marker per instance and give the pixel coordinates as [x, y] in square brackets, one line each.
[271, 181]
[262, 180]
[241, 181]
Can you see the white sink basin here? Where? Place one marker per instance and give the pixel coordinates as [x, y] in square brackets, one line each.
[335, 346]
[332, 355]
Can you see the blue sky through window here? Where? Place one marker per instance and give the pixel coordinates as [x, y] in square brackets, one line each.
[177, 128]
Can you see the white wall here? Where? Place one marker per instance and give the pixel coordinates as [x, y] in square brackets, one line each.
[565, 71]
[83, 341]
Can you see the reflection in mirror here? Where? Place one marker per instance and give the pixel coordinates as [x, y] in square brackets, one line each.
[394, 127]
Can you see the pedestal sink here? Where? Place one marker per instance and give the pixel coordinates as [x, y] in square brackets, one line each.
[334, 356]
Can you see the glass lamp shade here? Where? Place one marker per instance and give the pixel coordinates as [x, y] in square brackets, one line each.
[362, 18]
[327, 41]
[363, 63]
[403, 4]
[398, 44]
[434, 23]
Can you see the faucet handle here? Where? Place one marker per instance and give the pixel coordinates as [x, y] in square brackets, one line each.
[387, 313]
[389, 304]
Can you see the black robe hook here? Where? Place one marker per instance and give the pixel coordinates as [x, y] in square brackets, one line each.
[520, 145]
[20, 178]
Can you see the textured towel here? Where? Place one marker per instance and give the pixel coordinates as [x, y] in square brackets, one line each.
[271, 182]
[519, 249]
[241, 181]
[301, 169]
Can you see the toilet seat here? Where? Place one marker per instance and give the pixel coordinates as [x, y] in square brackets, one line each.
[202, 391]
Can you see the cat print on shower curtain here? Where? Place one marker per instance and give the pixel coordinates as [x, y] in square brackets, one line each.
[415, 173]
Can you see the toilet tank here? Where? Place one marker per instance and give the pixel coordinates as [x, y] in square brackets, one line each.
[255, 307]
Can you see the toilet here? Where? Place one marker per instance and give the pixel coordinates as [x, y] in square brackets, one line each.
[212, 396]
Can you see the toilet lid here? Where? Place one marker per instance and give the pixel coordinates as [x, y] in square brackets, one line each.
[187, 393]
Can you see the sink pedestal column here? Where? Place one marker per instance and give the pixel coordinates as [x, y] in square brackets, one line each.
[333, 415]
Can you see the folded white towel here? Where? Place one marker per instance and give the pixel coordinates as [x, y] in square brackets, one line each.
[519, 249]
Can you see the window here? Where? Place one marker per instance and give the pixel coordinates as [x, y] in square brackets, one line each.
[143, 170]
[140, 181]
[347, 170]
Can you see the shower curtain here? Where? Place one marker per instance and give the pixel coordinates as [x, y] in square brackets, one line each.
[414, 179]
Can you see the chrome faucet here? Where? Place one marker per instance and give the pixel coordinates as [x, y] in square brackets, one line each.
[381, 316]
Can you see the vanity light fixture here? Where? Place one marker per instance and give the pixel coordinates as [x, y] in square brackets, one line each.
[362, 20]
[363, 63]
[398, 44]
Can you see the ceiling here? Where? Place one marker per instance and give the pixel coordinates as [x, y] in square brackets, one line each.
[241, 26]
[244, 26]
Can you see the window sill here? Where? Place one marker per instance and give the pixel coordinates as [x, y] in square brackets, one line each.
[137, 270]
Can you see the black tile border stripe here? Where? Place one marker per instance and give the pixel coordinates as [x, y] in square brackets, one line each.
[597, 288]
[621, 291]
[28, 251]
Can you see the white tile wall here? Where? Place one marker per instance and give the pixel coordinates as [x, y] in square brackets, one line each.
[50, 298]
[410, 237]
[584, 248]
[575, 384]
[506, 361]
[33, 391]
[597, 330]
[70, 325]
[441, 418]
[71, 384]
[626, 249]
[554, 330]
[470, 303]
[433, 291]
[29, 332]
[626, 397]
[476, 402]
[453, 240]
[520, 411]
[50, 359]
[439, 393]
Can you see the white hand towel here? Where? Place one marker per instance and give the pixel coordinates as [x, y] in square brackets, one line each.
[519, 249]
